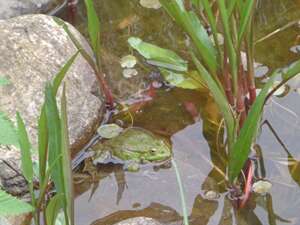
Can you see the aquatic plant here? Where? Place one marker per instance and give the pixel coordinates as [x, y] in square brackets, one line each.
[93, 61]
[54, 159]
[220, 68]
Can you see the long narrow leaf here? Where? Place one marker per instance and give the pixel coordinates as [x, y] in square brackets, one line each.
[54, 132]
[42, 144]
[220, 99]
[193, 27]
[27, 166]
[93, 26]
[10, 205]
[62, 73]
[182, 195]
[66, 158]
[246, 16]
[229, 44]
[53, 208]
[241, 147]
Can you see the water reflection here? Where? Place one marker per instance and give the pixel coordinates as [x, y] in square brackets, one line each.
[197, 141]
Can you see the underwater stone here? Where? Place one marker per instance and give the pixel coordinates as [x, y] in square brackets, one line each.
[12, 8]
[139, 221]
[33, 49]
[262, 187]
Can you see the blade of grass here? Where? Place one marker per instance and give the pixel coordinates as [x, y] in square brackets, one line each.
[93, 27]
[181, 191]
[26, 161]
[66, 158]
[55, 142]
[53, 208]
[192, 26]
[229, 44]
[62, 73]
[241, 148]
[246, 16]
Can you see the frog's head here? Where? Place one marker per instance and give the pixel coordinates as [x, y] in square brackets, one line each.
[158, 151]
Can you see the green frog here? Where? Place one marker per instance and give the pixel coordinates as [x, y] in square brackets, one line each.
[134, 146]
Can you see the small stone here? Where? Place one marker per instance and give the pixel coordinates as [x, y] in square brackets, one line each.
[262, 187]
[139, 221]
[211, 195]
[150, 4]
[128, 73]
[128, 61]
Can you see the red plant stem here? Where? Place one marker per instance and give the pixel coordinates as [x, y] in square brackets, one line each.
[72, 8]
[107, 91]
[247, 188]
[240, 103]
[227, 80]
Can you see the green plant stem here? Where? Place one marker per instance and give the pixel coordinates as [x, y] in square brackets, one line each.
[182, 195]
[250, 62]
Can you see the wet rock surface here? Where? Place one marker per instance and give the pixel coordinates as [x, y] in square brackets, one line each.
[12, 8]
[33, 49]
[139, 221]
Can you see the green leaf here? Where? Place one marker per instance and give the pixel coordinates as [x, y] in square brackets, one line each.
[62, 73]
[66, 159]
[3, 81]
[242, 146]
[27, 166]
[190, 80]
[10, 205]
[192, 25]
[93, 26]
[219, 98]
[54, 139]
[8, 133]
[229, 44]
[53, 208]
[42, 144]
[246, 16]
[158, 56]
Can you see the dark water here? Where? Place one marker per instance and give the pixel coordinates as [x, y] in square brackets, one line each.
[153, 191]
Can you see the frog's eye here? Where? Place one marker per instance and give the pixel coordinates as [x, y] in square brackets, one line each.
[153, 150]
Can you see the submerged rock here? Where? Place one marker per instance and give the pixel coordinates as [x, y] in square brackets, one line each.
[33, 49]
[139, 221]
[12, 8]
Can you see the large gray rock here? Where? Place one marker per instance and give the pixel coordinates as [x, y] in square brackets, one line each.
[12, 8]
[139, 221]
[33, 49]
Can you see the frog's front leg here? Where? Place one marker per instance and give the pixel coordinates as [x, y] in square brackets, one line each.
[132, 166]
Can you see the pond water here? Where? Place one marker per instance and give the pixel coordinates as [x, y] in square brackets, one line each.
[153, 191]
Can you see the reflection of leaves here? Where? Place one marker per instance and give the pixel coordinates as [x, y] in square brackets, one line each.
[3, 81]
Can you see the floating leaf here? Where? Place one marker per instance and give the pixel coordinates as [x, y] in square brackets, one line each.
[109, 130]
[10, 205]
[150, 4]
[158, 56]
[128, 73]
[128, 61]
[3, 81]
